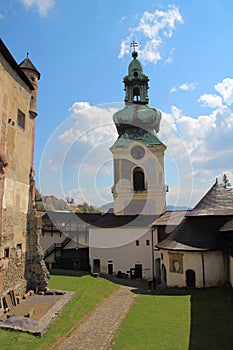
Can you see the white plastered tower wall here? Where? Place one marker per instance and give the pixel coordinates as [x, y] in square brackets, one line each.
[151, 200]
[138, 153]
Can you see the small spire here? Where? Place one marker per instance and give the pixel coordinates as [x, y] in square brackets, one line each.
[27, 54]
[216, 180]
[134, 44]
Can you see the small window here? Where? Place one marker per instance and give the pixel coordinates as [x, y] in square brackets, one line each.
[21, 119]
[147, 242]
[137, 242]
[7, 252]
[161, 256]
[19, 246]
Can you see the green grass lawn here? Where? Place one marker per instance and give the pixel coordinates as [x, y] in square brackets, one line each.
[89, 292]
[179, 320]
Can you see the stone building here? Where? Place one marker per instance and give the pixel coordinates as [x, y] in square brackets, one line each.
[21, 263]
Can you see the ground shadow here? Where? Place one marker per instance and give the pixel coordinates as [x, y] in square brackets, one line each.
[138, 285]
[211, 317]
[211, 313]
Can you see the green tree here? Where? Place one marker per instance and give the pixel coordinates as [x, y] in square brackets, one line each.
[86, 208]
[226, 183]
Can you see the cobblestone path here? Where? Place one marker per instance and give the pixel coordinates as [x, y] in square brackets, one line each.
[97, 330]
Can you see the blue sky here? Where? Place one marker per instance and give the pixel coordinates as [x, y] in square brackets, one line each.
[81, 48]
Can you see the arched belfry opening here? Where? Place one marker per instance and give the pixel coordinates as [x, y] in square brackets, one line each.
[136, 94]
[138, 179]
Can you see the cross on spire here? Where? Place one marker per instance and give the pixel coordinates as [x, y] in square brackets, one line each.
[27, 54]
[134, 44]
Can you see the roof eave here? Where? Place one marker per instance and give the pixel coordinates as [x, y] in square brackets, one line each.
[10, 59]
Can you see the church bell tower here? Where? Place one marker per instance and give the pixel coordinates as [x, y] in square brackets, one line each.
[138, 154]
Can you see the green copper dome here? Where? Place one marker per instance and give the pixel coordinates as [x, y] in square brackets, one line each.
[139, 116]
[134, 66]
[137, 121]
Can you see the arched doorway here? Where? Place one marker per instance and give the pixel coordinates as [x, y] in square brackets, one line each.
[138, 179]
[164, 275]
[190, 279]
[96, 265]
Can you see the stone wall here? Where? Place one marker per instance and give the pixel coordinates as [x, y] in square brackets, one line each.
[37, 275]
[13, 266]
[21, 258]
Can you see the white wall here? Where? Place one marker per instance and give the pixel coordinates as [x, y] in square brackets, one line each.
[118, 245]
[214, 268]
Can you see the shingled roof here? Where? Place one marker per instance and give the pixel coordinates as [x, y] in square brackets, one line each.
[190, 237]
[227, 227]
[172, 218]
[217, 201]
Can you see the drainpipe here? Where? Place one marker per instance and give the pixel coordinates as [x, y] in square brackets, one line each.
[153, 257]
[203, 270]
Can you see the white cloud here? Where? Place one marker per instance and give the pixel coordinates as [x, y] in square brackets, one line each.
[184, 87]
[170, 56]
[93, 124]
[204, 142]
[210, 100]
[152, 29]
[207, 139]
[42, 6]
[122, 19]
[225, 88]
[1, 16]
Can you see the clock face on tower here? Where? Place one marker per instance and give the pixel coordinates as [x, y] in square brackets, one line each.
[137, 152]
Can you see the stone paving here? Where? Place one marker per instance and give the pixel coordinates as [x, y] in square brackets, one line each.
[96, 331]
[46, 309]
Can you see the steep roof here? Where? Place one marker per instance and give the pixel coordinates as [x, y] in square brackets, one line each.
[190, 237]
[10, 59]
[216, 202]
[27, 64]
[108, 220]
[111, 220]
[170, 218]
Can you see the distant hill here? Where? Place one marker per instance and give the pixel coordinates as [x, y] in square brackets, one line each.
[173, 207]
[108, 206]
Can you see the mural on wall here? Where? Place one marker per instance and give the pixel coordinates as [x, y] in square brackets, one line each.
[176, 262]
